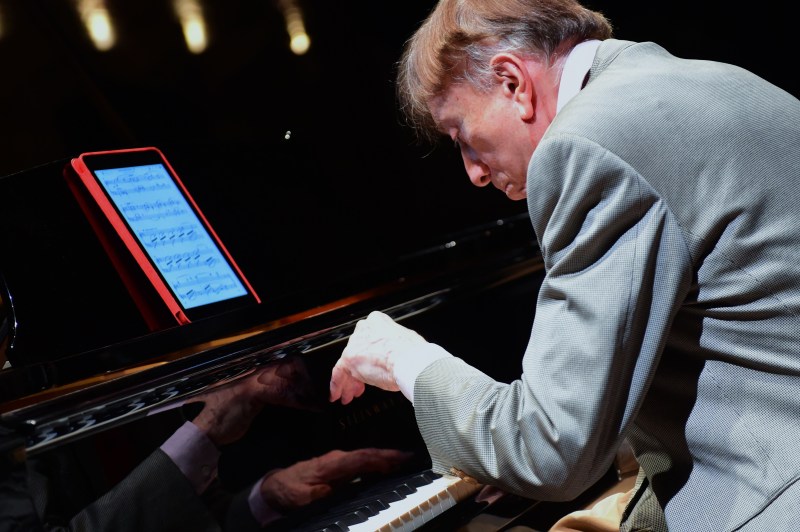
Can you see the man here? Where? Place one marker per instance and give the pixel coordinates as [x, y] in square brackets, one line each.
[664, 195]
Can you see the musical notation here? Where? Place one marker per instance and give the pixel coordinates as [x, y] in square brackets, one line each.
[171, 234]
[121, 188]
[155, 211]
[203, 285]
[186, 260]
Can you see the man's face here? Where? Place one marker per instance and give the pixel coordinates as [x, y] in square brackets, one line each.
[495, 142]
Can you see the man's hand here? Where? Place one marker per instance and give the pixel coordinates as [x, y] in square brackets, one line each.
[286, 490]
[230, 409]
[370, 355]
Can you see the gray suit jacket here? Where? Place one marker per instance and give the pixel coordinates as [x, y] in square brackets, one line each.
[666, 201]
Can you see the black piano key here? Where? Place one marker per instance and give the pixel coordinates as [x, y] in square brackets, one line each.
[333, 528]
[351, 519]
[374, 507]
[340, 519]
[423, 479]
[405, 490]
[364, 516]
[380, 493]
[390, 497]
[366, 510]
[361, 514]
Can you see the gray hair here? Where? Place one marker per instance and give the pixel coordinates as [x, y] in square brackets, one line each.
[458, 39]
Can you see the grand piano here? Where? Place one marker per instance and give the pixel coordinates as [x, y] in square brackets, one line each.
[86, 377]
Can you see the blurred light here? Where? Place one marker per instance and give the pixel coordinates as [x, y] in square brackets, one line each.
[97, 20]
[2, 22]
[299, 41]
[190, 15]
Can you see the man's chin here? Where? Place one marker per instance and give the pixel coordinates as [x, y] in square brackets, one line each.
[515, 195]
[512, 192]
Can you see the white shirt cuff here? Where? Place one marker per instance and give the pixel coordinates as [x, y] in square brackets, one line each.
[194, 454]
[408, 368]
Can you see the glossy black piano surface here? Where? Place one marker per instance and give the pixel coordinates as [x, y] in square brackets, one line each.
[304, 168]
[87, 376]
[91, 387]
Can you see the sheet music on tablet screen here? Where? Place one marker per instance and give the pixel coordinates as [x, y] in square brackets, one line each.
[171, 234]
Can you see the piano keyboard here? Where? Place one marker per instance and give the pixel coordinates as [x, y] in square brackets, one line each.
[403, 506]
[419, 507]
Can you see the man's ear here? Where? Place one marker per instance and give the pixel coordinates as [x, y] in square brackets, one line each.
[516, 83]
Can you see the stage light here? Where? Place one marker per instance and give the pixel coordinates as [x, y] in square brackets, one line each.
[299, 40]
[193, 24]
[97, 21]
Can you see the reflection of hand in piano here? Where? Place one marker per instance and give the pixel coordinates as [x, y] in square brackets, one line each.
[229, 409]
[301, 484]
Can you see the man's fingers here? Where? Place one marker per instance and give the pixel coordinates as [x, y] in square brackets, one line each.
[318, 491]
[337, 378]
[379, 316]
[287, 490]
[344, 386]
[353, 388]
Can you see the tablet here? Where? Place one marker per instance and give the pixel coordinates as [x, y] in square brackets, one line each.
[165, 232]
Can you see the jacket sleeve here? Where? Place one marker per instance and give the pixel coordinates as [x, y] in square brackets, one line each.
[155, 496]
[617, 270]
[17, 510]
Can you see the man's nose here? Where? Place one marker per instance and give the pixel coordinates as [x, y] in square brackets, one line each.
[478, 172]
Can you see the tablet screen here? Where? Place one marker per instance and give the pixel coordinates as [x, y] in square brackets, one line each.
[171, 234]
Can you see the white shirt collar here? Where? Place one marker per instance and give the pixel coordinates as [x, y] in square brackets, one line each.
[577, 64]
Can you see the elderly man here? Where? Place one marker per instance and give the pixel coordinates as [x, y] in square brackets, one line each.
[664, 194]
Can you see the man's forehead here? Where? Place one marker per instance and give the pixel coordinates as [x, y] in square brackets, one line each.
[446, 106]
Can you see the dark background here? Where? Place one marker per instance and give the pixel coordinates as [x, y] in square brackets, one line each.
[61, 97]
[349, 193]
[221, 116]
